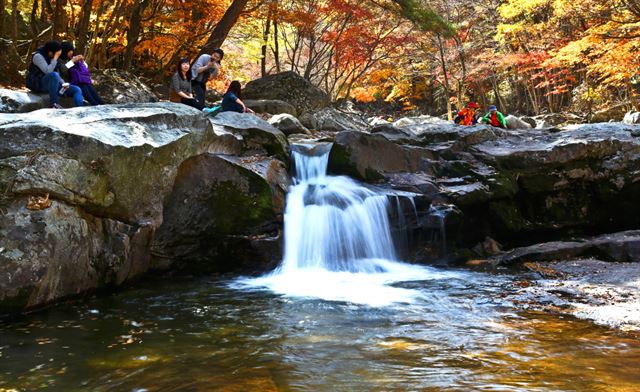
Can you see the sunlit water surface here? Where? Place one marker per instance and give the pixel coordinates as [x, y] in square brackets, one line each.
[459, 332]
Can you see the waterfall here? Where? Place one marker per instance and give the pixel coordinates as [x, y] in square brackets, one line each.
[332, 222]
[338, 243]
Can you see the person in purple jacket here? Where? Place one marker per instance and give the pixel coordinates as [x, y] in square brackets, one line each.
[79, 75]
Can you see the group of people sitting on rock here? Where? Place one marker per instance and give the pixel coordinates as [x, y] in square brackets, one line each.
[57, 70]
[470, 116]
[189, 84]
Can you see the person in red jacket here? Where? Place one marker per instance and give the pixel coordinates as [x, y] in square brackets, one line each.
[467, 116]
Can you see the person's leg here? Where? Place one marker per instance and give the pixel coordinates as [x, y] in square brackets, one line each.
[192, 102]
[75, 92]
[88, 94]
[51, 84]
[94, 95]
[199, 92]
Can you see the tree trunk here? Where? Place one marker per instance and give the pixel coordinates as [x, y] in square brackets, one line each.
[58, 19]
[133, 33]
[276, 46]
[33, 20]
[265, 43]
[446, 77]
[14, 15]
[83, 26]
[220, 32]
[3, 7]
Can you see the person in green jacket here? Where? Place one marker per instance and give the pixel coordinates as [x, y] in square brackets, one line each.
[494, 117]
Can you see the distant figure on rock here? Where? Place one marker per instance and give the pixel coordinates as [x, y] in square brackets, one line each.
[231, 100]
[468, 115]
[205, 67]
[181, 89]
[78, 74]
[494, 118]
[43, 75]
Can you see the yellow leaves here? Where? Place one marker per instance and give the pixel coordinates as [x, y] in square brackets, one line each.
[521, 8]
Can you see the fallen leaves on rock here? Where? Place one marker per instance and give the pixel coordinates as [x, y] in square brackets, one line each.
[36, 203]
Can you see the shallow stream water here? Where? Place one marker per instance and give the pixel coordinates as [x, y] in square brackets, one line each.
[461, 334]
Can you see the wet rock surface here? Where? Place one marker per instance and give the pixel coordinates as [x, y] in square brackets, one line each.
[288, 124]
[606, 293]
[113, 177]
[512, 185]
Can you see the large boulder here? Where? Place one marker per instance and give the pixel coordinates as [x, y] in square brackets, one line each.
[119, 86]
[614, 113]
[370, 157]
[85, 190]
[632, 118]
[514, 122]
[270, 106]
[217, 201]
[616, 247]
[257, 136]
[509, 184]
[288, 124]
[556, 119]
[330, 119]
[289, 87]
[62, 251]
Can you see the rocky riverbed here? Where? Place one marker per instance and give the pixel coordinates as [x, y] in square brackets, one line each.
[95, 197]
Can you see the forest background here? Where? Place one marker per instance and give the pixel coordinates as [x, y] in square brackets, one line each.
[526, 56]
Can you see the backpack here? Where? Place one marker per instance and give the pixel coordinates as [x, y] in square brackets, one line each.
[34, 77]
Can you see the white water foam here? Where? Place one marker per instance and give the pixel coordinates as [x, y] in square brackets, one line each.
[338, 243]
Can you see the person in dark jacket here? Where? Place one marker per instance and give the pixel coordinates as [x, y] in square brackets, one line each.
[231, 99]
[181, 89]
[205, 67]
[78, 74]
[43, 75]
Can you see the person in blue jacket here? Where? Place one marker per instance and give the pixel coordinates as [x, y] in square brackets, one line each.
[231, 99]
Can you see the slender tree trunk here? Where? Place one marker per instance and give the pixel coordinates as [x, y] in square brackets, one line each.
[43, 12]
[58, 19]
[223, 27]
[33, 19]
[133, 33]
[496, 91]
[83, 26]
[3, 7]
[265, 42]
[276, 46]
[15, 15]
[446, 77]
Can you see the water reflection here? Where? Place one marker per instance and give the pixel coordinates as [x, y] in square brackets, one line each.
[463, 334]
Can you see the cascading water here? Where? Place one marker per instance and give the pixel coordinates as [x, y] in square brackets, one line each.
[338, 243]
[333, 223]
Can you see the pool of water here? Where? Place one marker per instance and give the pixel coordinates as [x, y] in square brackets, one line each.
[461, 334]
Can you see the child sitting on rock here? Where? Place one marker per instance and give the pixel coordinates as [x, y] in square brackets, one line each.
[79, 74]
